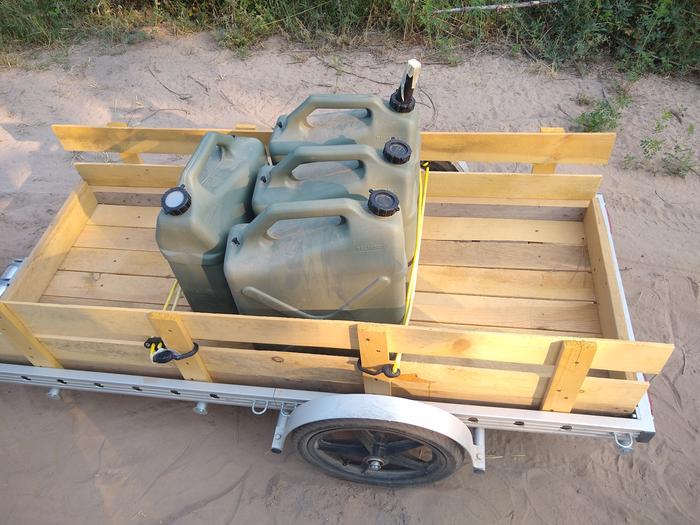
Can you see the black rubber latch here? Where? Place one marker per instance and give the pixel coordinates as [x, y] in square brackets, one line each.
[383, 203]
[176, 201]
[397, 151]
[387, 370]
[399, 105]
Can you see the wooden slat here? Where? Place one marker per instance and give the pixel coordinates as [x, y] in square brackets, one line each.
[14, 333]
[536, 148]
[374, 352]
[123, 262]
[122, 323]
[55, 299]
[467, 229]
[129, 196]
[510, 211]
[472, 327]
[609, 396]
[128, 216]
[610, 307]
[125, 156]
[111, 287]
[509, 202]
[568, 148]
[338, 374]
[45, 258]
[129, 175]
[504, 255]
[141, 239]
[572, 316]
[169, 327]
[574, 362]
[551, 166]
[513, 185]
[140, 140]
[537, 284]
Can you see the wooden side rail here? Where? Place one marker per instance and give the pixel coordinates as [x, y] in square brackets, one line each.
[535, 148]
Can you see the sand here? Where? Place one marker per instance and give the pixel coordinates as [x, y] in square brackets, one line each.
[109, 459]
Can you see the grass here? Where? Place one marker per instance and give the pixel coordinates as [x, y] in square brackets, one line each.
[640, 35]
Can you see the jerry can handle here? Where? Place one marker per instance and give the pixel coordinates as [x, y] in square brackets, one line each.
[307, 154]
[346, 208]
[191, 174]
[371, 103]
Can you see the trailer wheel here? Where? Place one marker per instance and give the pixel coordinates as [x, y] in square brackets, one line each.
[391, 454]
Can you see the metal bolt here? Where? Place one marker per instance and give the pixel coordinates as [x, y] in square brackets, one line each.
[375, 465]
[200, 409]
[54, 393]
[479, 455]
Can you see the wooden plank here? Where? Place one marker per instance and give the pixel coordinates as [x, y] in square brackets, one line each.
[574, 362]
[468, 229]
[338, 374]
[534, 148]
[46, 257]
[129, 196]
[574, 316]
[55, 299]
[129, 175]
[16, 334]
[374, 353]
[513, 185]
[111, 287]
[141, 140]
[125, 156]
[122, 323]
[521, 256]
[123, 262]
[472, 327]
[512, 211]
[129, 216]
[169, 327]
[609, 396]
[547, 167]
[533, 284]
[611, 310]
[119, 238]
[486, 201]
[569, 148]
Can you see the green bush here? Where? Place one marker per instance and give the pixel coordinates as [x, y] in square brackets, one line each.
[641, 35]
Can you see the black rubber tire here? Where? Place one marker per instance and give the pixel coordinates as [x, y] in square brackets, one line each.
[451, 455]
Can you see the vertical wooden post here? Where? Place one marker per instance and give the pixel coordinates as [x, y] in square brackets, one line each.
[20, 337]
[374, 351]
[573, 364]
[172, 331]
[548, 167]
[125, 156]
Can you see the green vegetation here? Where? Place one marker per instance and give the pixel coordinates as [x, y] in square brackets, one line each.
[640, 35]
[605, 114]
[666, 151]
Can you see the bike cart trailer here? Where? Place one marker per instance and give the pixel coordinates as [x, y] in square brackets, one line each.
[519, 319]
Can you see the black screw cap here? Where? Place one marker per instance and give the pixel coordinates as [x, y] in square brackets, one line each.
[383, 203]
[176, 201]
[397, 151]
[399, 105]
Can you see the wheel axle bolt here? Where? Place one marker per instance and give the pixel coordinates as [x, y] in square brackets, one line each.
[375, 465]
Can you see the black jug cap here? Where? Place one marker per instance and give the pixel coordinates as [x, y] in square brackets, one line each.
[397, 151]
[400, 106]
[383, 203]
[176, 201]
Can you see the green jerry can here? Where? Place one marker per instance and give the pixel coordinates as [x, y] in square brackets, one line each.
[325, 259]
[213, 195]
[359, 119]
[350, 170]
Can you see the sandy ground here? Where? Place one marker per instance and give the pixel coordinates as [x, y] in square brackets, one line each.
[107, 459]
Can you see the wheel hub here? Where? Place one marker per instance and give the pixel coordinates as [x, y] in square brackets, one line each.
[374, 464]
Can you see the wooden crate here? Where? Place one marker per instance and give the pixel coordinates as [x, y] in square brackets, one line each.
[518, 303]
